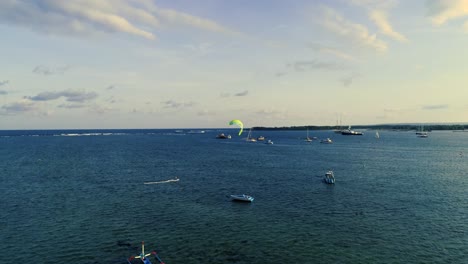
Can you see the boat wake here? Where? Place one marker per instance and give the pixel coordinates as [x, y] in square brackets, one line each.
[167, 181]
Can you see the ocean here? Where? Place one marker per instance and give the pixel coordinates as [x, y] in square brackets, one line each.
[78, 196]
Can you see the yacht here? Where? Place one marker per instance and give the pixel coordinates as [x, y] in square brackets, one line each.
[261, 138]
[349, 132]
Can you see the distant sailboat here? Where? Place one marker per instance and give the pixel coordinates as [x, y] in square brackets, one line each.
[308, 139]
[249, 137]
[377, 134]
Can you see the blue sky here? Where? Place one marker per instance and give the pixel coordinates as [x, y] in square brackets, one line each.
[185, 64]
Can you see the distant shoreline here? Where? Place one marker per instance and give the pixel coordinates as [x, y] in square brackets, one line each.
[395, 127]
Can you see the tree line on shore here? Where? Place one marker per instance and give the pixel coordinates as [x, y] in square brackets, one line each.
[397, 127]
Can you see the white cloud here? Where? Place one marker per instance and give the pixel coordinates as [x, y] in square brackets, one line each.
[380, 19]
[357, 33]
[140, 18]
[70, 95]
[445, 10]
[377, 11]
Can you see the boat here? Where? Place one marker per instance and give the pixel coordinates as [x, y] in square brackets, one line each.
[421, 131]
[223, 136]
[269, 142]
[329, 177]
[242, 198]
[308, 139]
[377, 135]
[144, 257]
[326, 141]
[249, 137]
[261, 138]
[349, 132]
[338, 128]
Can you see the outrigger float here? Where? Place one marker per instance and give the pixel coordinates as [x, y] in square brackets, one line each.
[144, 257]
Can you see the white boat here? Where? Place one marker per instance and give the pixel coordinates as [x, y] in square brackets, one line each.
[261, 138]
[326, 141]
[423, 135]
[349, 132]
[329, 177]
[269, 142]
[249, 137]
[377, 135]
[242, 198]
[308, 139]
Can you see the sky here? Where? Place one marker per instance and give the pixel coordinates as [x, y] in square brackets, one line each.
[199, 64]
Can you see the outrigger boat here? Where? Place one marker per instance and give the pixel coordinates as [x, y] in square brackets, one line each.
[144, 257]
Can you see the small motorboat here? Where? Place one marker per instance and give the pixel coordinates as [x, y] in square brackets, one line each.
[329, 177]
[326, 141]
[269, 142]
[241, 198]
[223, 136]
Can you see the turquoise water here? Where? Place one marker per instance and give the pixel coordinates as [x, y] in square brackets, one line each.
[398, 199]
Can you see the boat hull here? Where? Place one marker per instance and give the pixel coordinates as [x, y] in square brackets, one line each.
[242, 198]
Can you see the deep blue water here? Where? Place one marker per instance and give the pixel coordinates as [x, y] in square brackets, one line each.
[81, 199]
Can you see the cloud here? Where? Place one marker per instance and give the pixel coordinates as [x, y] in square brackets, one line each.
[205, 112]
[357, 33]
[280, 74]
[44, 70]
[380, 19]
[348, 80]
[442, 11]
[71, 106]
[18, 107]
[338, 53]
[244, 93]
[2, 92]
[176, 105]
[4, 82]
[140, 18]
[70, 96]
[300, 66]
[377, 11]
[435, 107]
[110, 87]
